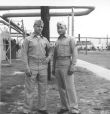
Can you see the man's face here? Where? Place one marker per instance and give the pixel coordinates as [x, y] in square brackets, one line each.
[61, 30]
[38, 29]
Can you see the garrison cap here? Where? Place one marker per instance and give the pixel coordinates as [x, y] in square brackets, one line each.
[61, 24]
[39, 22]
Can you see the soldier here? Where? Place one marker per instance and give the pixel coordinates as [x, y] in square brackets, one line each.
[64, 61]
[36, 62]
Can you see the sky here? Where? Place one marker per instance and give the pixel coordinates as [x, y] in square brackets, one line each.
[95, 24]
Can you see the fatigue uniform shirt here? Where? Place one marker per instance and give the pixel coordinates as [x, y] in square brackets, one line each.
[34, 51]
[64, 53]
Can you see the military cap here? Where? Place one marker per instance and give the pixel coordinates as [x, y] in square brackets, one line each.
[61, 24]
[39, 22]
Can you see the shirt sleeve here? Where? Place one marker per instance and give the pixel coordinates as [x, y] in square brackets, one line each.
[54, 58]
[48, 44]
[73, 51]
[24, 51]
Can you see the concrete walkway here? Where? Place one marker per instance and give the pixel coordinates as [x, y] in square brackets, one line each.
[98, 70]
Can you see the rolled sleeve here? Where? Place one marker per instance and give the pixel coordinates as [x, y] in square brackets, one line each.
[73, 51]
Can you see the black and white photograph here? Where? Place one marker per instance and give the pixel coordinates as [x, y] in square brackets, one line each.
[55, 57]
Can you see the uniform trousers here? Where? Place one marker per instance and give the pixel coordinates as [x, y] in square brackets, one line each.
[35, 88]
[66, 88]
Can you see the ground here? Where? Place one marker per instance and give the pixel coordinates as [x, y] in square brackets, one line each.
[101, 58]
[93, 92]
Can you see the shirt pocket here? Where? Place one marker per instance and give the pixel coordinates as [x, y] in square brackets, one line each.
[64, 50]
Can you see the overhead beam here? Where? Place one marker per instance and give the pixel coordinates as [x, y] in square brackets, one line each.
[69, 7]
[38, 7]
[80, 13]
[18, 7]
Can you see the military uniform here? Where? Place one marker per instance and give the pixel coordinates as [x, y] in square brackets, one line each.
[64, 58]
[34, 55]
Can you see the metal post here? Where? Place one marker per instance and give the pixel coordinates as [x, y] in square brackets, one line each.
[68, 24]
[79, 37]
[86, 46]
[107, 41]
[72, 21]
[9, 42]
[23, 28]
[0, 50]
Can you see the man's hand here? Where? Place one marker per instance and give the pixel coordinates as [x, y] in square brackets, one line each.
[53, 72]
[47, 59]
[28, 72]
[71, 69]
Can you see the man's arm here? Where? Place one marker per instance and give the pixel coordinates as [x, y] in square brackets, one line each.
[24, 52]
[73, 51]
[74, 56]
[54, 61]
[50, 50]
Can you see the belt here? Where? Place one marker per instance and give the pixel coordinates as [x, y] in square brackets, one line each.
[36, 60]
[63, 57]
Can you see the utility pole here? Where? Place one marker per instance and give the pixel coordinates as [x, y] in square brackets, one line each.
[79, 38]
[72, 21]
[10, 56]
[86, 46]
[68, 24]
[107, 41]
[46, 33]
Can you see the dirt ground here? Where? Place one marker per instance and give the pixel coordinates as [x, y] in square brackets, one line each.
[93, 92]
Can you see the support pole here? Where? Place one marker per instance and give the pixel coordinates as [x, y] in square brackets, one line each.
[46, 33]
[68, 24]
[72, 21]
[23, 28]
[107, 41]
[79, 38]
[86, 46]
[9, 43]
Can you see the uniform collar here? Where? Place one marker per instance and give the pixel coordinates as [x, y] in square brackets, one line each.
[36, 36]
[62, 36]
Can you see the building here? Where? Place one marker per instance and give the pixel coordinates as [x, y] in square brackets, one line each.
[82, 45]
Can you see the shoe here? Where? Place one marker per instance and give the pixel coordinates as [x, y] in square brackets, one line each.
[42, 111]
[74, 113]
[61, 111]
[25, 113]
